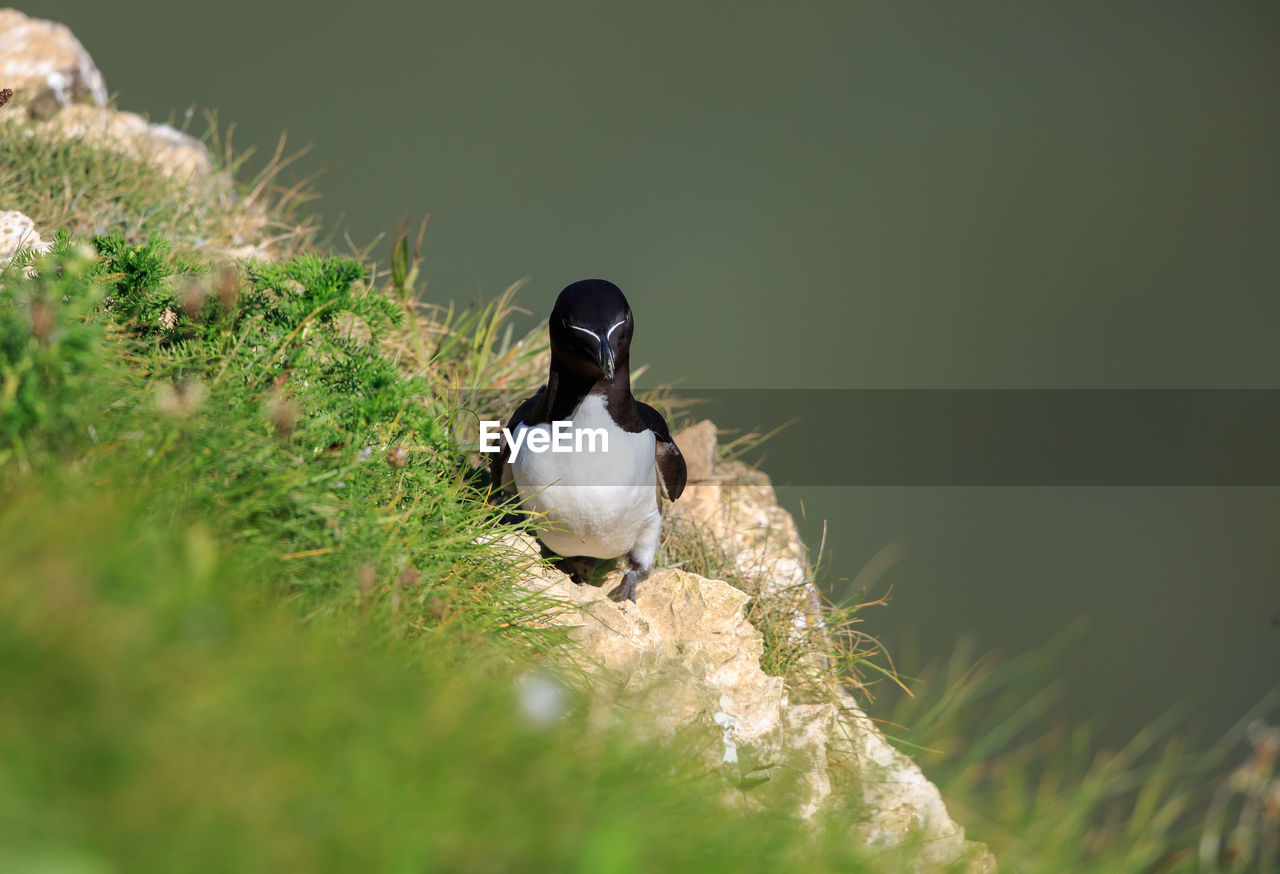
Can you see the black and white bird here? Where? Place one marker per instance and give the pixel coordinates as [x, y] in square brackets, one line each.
[593, 503]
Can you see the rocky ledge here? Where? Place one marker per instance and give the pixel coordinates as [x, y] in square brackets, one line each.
[684, 655]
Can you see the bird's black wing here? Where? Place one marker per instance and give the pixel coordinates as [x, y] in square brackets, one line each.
[525, 413]
[671, 467]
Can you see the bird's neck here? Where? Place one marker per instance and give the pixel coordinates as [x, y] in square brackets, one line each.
[567, 386]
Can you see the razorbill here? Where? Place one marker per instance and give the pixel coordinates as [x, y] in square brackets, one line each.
[602, 498]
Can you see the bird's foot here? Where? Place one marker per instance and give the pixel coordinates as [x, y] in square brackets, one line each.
[626, 590]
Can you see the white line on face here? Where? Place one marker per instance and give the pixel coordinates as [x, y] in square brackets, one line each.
[611, 330]
[586, 331]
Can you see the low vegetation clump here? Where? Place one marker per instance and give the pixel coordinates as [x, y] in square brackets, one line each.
[66, 182]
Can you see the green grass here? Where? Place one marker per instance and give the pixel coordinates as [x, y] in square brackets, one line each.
[262, 411]
[69, 184]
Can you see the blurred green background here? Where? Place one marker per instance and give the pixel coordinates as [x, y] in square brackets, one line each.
[842, 195]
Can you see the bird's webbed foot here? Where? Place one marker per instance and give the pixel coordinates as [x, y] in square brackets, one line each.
[626, 590]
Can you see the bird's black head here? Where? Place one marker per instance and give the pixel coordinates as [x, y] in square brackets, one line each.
[591, 327]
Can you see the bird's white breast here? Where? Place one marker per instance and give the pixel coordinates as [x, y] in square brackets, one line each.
[595, 502]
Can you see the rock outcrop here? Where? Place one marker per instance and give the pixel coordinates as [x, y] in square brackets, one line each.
[46, 65]
[56, 81]
[177, 154]
[684, 655]
[18, 232]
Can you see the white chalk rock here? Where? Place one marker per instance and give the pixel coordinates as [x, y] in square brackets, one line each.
[176, 154]
[684, 656]
[45, 64]
[17, 231]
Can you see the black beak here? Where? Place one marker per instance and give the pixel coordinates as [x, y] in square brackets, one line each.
[606, 359]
